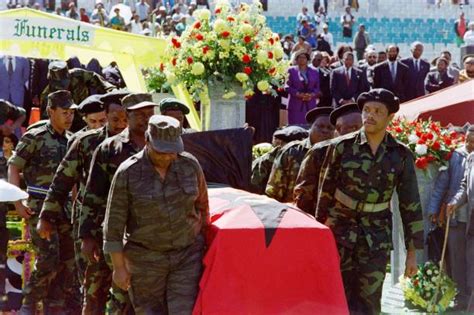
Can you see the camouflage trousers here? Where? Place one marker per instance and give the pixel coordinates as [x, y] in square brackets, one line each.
[363, 272]
[81, 260]
[53, 279]
[99, 293]
[165, 283]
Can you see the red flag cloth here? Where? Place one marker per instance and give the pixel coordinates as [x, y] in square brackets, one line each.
[267, 258]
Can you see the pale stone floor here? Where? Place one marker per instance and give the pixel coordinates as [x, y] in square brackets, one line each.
[394, 303]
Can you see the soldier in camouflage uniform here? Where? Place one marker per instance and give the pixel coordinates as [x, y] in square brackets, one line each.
[8, 111]
[364, 168]
[262, 166]
[347, 118]
[107, 158]
[77, 81]
[38, 155]
[74, 170]
[158, 198]
[287, 164]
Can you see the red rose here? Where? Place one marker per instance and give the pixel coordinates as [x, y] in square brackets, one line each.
[230, 19]
[197, 25]
[272, 71]
[430, 158]
[280, 89]
[421, 163]
[429, 136]
[271, 41]
[453, 134]
[205, 49]
[447, 141]
[447, 157]
[421, 141]
[199, 37]
[190, 60]
[398, 129]
[270, 55]
[436, 146]
[225, 34]
[173, 61]
[218, 10]
[248, 70]
[418, 133]
[246, 59]
[247, 39]
[162, 67]
[257, 46]
[176, 43]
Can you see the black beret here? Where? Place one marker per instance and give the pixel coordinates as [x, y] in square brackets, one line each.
[291, 133]
[114, 96]
[170, 103]
[382, 96]
[343, 110]
[316, 112]
[90, 105]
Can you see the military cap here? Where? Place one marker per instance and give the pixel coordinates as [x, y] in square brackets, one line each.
[114, 96]
[58, 73]
[316, 112]
[61, 99]
[137, 100]
[170, 103]
[382, 96]
[343, 110]
[291, 133]
[92, 104]
[164, 134]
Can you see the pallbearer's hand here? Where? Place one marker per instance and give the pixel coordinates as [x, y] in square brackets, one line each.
[121, 277]
[90, 249]
[450, 208]
[44, 229]
[410, 264]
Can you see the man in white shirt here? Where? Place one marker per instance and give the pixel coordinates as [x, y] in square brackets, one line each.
[469, 35]
[347, 20]
[328, 36]
[303, 15]
[143, 9]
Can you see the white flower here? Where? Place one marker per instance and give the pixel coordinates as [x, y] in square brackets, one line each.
[242, 77]
[197, 68]
[261, 19]
[263, 85]
[170, 77]
[421, 149]
[429, 272]
[413, 138]
[278, 52]
[202, 14]
[220, 26]
[262, 56]
[246, 29]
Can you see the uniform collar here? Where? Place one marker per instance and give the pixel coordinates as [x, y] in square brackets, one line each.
[388, 139]
[124, 136]
[53, 132]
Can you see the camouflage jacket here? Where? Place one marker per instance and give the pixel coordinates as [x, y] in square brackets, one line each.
[74, 169]
[107, 158]
[81, 81]
[156, 214]
[369, 178]
[38, 155]
[10, 112]
[285, 170]
[261, 168]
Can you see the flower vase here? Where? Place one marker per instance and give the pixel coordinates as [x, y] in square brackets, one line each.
[426, 180]
[218, 112]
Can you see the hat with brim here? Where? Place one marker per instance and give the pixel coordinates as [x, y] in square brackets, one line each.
[291, 133]
[381, 96]
[164, 134]
[300, 52]
[169, 103]
[58, 74]
[467, 56]
[11, 193]
[313, 114]
[135, 101]
[142, 105]
[91, 105]
[114, 96]
[61, 99]
[343, 110]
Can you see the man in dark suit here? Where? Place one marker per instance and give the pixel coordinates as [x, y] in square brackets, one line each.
[324, 78]
[347, 82]
[368, 65]
[417, 71]
[439, 79]
[392, 74]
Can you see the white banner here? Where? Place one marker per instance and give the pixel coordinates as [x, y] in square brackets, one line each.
[46, 30]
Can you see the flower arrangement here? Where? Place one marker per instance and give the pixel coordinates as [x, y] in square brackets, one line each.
[260, 149]
[429, 142]
[420, 290]
[235, 48]
[155, 80]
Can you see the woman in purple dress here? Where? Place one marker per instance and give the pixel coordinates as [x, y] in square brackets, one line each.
[302, 87]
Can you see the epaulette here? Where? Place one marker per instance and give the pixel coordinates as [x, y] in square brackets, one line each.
[189, 156]
[335, 141]
[37, 124]
[41, 129]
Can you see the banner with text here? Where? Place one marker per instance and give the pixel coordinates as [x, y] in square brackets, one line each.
[46, 30]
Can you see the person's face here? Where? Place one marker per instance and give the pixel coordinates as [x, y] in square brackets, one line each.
[470, 141]
[96, 120]
[348, 60]
[117, 12]
[375, 117]
[177, 114]
[61, 119]
[300, 40]
[325, 30]
[321, 130]
[302, 60]
[392, 53]
[441, 65]
[83, 11]
[371, 59]
[362, 28]
[417, 51]
[160, 159]
[117, 119]
[381, 57]
[317, 60]
[138, 119]
[324, 62]
[305, 11]
[469, 66]
[447, 57]
[348, 10]
[348, 123]
[7, 145]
